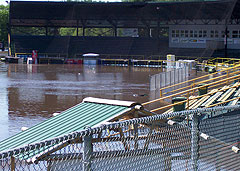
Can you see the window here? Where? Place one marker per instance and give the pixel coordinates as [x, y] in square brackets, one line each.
[186, 33]
[191, 33]
[182, 33]
[177, 33]
[216, 33]
[195, 33]
[173, 33]
[235, 34]
[200, 33]
[212, 34]
[204, 33]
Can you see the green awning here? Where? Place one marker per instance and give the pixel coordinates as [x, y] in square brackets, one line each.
[87, 113]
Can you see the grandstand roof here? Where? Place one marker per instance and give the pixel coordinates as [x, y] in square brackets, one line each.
[124, 14]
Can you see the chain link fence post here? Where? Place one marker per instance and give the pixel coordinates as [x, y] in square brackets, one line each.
[87, 152]
[195, 141]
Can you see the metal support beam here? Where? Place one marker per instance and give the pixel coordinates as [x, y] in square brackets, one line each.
[13, 163]
[195, 141]
[77, 26]
[83, 31]
[226, 42]
[83, 26]
[87, 152]
[135, 136]
[115, 31]
[46, 29]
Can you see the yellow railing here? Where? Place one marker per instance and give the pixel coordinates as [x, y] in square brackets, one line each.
[217, 62]
[187, 92]
[195, 81]
[42, 54]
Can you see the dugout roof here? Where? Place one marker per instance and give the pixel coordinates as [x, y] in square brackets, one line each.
[121, 14]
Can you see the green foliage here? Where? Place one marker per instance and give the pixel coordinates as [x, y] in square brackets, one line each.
[98, 32]
[4, 13]
[28, 31]
[88, 32]
[68, 31]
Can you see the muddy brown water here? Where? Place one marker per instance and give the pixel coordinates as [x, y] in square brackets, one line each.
[30, 94]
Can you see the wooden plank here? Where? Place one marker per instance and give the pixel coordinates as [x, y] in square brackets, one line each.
[200, 102]
[229, 94]
[191, 103]
[237, 93]
[234, 102]
[224, 88]
[226, 92]
[211, 99]
[235, 84]
[226, 95]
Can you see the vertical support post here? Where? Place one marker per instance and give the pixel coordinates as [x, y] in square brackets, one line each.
[167, 158]
[83, 31]
[165, 78]
[226, 41]
[149, 31]
[161, 93]
[87, 152]
[115, 31]
[227, 75]
[77, 27]
[135, 136]
[195, 139]
[193, 86]
[188, 101]
[123, 139]
[13, 163]
[174, 76]
[46, 29]
[179, 75]
[185, 72]
[170, 77]
[148, 137]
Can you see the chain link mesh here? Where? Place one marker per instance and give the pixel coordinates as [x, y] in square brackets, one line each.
[209, 140]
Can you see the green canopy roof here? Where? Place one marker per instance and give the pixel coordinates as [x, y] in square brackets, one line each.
[87, 113]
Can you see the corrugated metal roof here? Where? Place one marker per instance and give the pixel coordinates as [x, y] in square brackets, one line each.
[73, 119]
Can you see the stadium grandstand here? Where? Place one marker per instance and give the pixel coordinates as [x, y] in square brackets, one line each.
[189, 28]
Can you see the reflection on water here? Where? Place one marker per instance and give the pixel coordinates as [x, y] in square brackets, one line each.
[31, 93]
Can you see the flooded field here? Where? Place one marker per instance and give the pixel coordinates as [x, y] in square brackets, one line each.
[30, 94]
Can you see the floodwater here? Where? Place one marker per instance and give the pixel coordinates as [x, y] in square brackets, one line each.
[30, 94]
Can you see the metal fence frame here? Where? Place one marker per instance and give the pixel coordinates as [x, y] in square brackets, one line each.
[88, 155]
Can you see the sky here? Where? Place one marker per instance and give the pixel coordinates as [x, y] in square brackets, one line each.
[3, 2]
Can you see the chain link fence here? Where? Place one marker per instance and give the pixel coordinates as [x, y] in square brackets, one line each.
[207, 139]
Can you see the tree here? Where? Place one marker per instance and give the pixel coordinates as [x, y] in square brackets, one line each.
[4, 13]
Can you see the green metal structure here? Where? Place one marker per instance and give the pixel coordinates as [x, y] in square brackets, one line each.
[90, 113]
